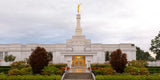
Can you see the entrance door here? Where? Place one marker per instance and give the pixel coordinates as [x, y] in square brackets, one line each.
[78, 61]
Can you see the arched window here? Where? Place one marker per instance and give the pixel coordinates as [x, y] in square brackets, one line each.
[107, 56]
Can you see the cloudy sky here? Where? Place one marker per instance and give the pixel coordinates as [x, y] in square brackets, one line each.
[102, 21]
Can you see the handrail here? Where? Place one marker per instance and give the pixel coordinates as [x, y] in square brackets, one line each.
[93, 76]
[64, 73]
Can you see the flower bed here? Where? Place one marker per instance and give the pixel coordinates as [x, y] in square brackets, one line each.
[95, 68]
[63, 68]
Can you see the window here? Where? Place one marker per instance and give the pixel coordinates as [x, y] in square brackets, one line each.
[6, 53]
[1, 55]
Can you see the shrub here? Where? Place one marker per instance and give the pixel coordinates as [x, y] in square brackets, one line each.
[59, 72]
[9, 58]
[100, 65]
[108, 71]
[138, 63]
[25, 71]
[19, 65]
[14, 72]
[38, 59]
[153, 69]
[1, 73]
[118, 60]
[143, 71]
[98, 72]
[131, 69]
[59, 65]
[136, 71]
[48, 70]
[4, 70]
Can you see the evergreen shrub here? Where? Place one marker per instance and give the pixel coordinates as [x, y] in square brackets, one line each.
[138, 63]
[19, 65]
[131, 69]
[48, 70]
[26, 71]
[14, 72]
[108, 71]
[59, 72]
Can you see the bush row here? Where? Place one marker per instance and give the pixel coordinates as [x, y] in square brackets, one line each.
[105, 71]
[127, 77]
[100, 65]
[154, 69]
[5, 66]
[59, 65]
[136, 71]
[4, 70]
[30, 77]
[23, 71]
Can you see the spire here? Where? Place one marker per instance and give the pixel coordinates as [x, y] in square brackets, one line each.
[78, 28]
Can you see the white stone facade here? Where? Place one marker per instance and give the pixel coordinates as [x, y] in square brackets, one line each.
[77, 46]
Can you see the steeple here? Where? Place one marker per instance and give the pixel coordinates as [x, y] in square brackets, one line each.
[78, 30]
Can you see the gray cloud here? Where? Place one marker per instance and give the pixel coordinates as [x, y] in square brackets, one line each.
[103, 21]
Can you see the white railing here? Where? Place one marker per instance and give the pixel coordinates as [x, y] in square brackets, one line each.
[64, 73]
[93, 76]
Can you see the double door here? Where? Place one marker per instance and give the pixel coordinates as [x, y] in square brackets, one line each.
[78, 61]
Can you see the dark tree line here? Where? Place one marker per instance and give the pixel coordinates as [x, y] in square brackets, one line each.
[142, 55]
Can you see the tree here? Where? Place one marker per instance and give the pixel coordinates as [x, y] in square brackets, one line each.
[118, 60]
[142, 55]
[107, 56]
[38, 59]
[155, 46]
[9, 58]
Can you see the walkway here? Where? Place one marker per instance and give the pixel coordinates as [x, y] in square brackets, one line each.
[78, 70]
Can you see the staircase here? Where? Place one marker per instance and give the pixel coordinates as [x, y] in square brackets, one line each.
[78, 76]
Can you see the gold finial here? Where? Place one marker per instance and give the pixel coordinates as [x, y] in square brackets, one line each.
[78, 7]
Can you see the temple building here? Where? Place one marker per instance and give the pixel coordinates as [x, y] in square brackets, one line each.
[77, 51]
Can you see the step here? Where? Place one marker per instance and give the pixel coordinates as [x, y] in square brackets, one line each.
[78, 76]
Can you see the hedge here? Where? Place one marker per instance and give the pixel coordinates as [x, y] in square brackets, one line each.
[100, 65]
[154, 69]
[5, 66]
[59, 65]
[30, 77]
[127, 77]
[4, 69]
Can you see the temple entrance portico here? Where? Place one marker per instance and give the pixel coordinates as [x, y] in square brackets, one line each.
[79, 59]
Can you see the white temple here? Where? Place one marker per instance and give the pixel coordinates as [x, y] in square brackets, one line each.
[77, 51]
